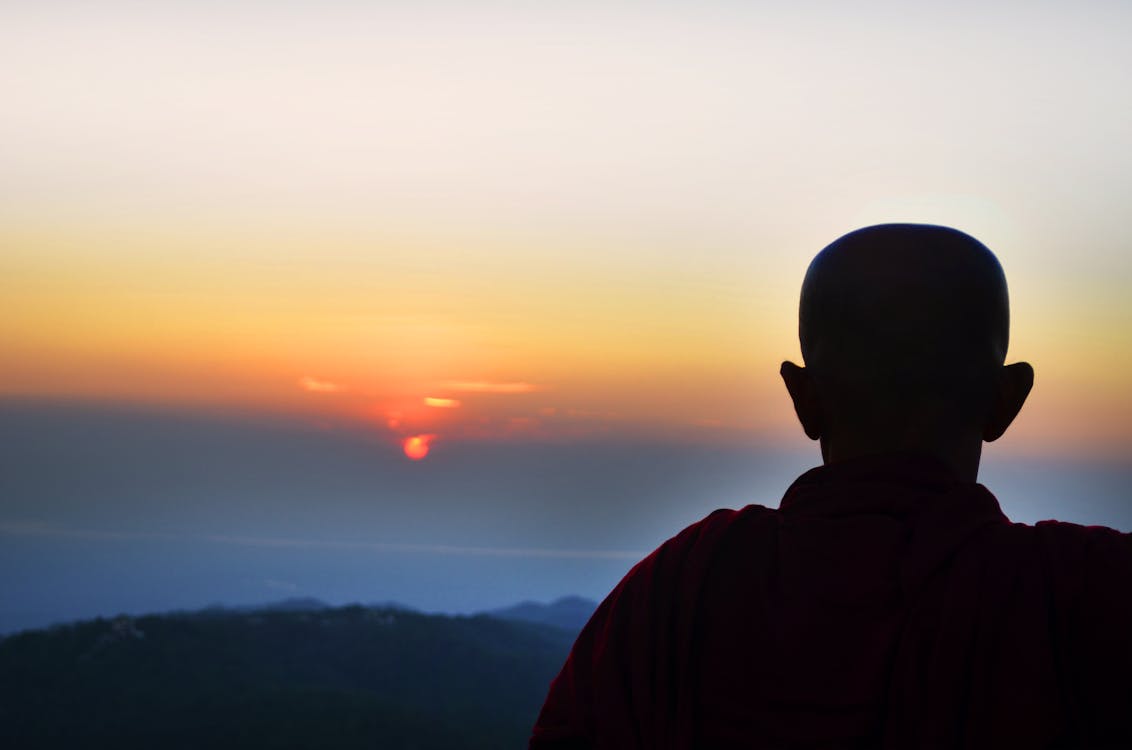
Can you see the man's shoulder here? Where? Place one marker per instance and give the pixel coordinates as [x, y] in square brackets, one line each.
[686, 556]
[1075, 532]
[1096, 551]
[728, 518]
[714, 528]
[1067, 539]
[1087, 568]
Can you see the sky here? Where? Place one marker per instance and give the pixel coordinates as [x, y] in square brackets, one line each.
[499, 244]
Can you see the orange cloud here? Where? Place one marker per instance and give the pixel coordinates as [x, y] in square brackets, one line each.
[441, 403]
[315, 385]
[486, 386]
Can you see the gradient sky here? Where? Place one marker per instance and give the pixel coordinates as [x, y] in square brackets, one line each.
[490, 223]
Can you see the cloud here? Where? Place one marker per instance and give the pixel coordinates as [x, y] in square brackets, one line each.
[315, 385]
[441, 403]
[38, 529]
[591, 414]
[35, 528]
[487, 386]
[436, 549]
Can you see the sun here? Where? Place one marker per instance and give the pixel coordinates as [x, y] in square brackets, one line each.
[416, 447]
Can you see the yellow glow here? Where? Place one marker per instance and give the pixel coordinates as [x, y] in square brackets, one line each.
[483, 386]
[678, 354]
[319, 386]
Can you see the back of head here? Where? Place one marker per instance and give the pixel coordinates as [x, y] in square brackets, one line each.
[899, 319]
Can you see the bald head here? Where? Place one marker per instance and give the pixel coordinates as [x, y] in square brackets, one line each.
[902, 309]
[904, 330]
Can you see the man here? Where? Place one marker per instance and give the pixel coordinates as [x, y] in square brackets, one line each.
[887, 602]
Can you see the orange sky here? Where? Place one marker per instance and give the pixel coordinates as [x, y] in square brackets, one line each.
[324, 215]
[419, 347]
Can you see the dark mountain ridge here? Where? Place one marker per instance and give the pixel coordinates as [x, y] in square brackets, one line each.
[297, 675]
[569, 612]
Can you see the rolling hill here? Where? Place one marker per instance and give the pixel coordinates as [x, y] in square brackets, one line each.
[279, 677]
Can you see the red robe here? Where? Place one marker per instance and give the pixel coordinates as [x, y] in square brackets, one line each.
[884, 604]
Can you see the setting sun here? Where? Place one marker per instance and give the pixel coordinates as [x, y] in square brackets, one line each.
[416, 447]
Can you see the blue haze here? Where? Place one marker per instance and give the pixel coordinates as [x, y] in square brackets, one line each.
[114, 509]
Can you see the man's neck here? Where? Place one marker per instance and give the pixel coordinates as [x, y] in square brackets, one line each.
[961, 456]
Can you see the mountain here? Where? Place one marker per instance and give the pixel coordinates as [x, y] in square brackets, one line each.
[295, 604]
[569, 612]
[279, 677]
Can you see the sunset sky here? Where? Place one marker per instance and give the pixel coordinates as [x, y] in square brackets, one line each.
[445, 224]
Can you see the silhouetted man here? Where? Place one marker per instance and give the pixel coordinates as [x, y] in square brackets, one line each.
[887, 602]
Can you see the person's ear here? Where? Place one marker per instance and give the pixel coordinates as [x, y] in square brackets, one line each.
[1011, 389]
[800, 386]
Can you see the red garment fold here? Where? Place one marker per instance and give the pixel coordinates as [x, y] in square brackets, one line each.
[883, 604]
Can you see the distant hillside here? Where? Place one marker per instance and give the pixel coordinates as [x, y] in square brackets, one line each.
[569, 612]
[294, 604]
[280, 678]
